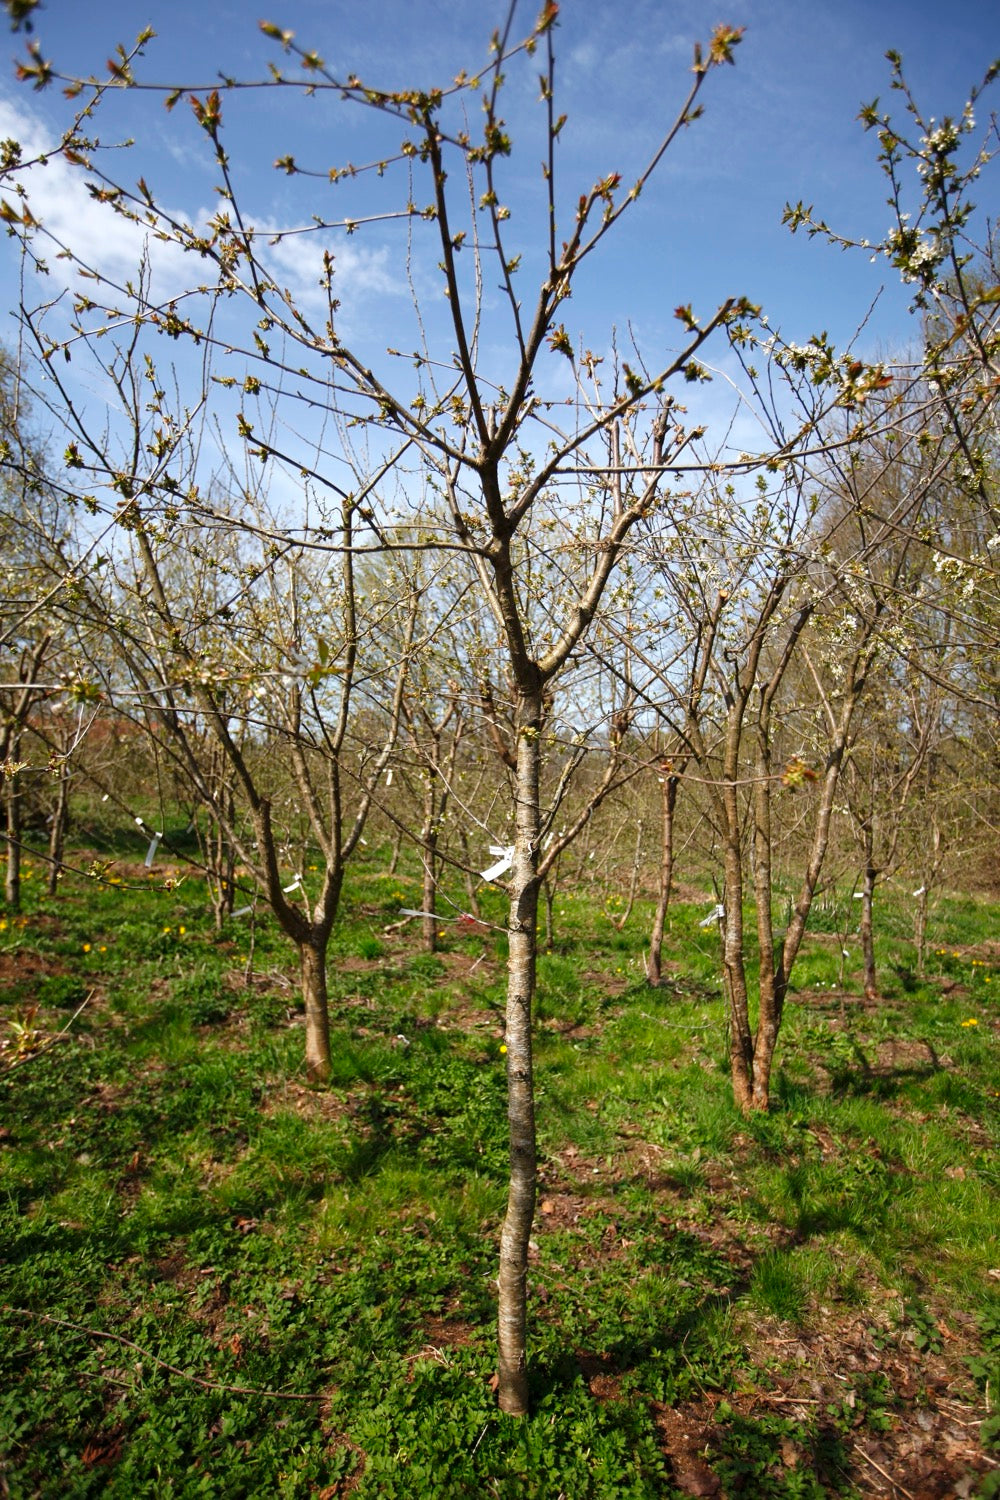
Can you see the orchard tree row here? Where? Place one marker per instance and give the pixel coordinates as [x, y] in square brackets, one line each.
[490, 592]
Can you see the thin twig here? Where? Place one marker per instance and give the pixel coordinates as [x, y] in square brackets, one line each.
[48, 1043]
[879, 1469]
[678, 1025]
[766, 1397]
[116, 1338]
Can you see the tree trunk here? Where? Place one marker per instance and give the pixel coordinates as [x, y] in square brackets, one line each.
[770, 981]
[654, 966]
[428, 840]
[221, 856]
[471, 891]
[12, 883]
[57, 830]
[429, 899]
[633, 884]
[735, 978]
[868, 932]
[522, 933]
[397, 845]
[313, 958]
[920, 932]
[931, 871]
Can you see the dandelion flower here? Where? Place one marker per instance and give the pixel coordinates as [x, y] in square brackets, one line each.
[86, 947]
[971, 1022]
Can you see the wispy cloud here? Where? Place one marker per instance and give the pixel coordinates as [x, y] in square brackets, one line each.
[107, 242]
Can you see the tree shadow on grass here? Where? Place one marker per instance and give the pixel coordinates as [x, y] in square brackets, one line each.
[896, 1064]
[685, 1371]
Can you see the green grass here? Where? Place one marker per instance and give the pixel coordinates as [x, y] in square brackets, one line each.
[186, 1224]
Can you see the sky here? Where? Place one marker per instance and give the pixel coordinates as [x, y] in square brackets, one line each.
[779, 126]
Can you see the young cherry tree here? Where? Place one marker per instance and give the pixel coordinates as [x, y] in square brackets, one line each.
[32, 599]
[535, 498]
[944, 246]
[756, 579]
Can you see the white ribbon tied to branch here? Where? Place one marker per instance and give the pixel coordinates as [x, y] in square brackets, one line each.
[715, 915]
[503, 864]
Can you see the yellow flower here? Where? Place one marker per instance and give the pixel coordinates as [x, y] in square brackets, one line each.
[503, 1047]
[86, 947]
[165, 931]
[103, 948]
[971, 1022]
[182, 930]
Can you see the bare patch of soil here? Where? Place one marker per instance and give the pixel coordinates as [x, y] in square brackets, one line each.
[603, 1380]
[930, 1448]
[21, 965]
[686, 1438]
[445, 1333]
[908, 1056]
[307, 1103]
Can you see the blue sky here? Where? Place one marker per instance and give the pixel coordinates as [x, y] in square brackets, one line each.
[781, 125]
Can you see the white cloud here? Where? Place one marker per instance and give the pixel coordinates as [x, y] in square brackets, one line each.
[72, 218]
[104, 241]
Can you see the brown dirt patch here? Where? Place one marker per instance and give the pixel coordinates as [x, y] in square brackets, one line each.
[307, 1103]
[929, 1451]
[19, 965]
[909, 1056]
[931, 1442]
[686, 1438]
[603, 1380]
[445, 1333]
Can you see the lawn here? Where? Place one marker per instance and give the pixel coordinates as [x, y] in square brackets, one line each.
[219, 1281]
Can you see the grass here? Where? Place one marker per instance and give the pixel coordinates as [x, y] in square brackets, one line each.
[218, 1281]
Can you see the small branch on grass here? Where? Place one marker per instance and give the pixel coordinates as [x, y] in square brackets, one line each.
[768, 1398]
[879, 1470]
[679, 1025]
[48, 1043]
[116, 1338]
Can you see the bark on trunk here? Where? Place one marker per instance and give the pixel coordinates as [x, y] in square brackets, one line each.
[12, 882]
[654, 964]
[633, 884]
[920, 933]
[868, 933]
[57, 830]
[770, 978]
[735, 981]
[429, 839]
[397, 845]
[471, 890]
[314, 994]
[522, 932]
